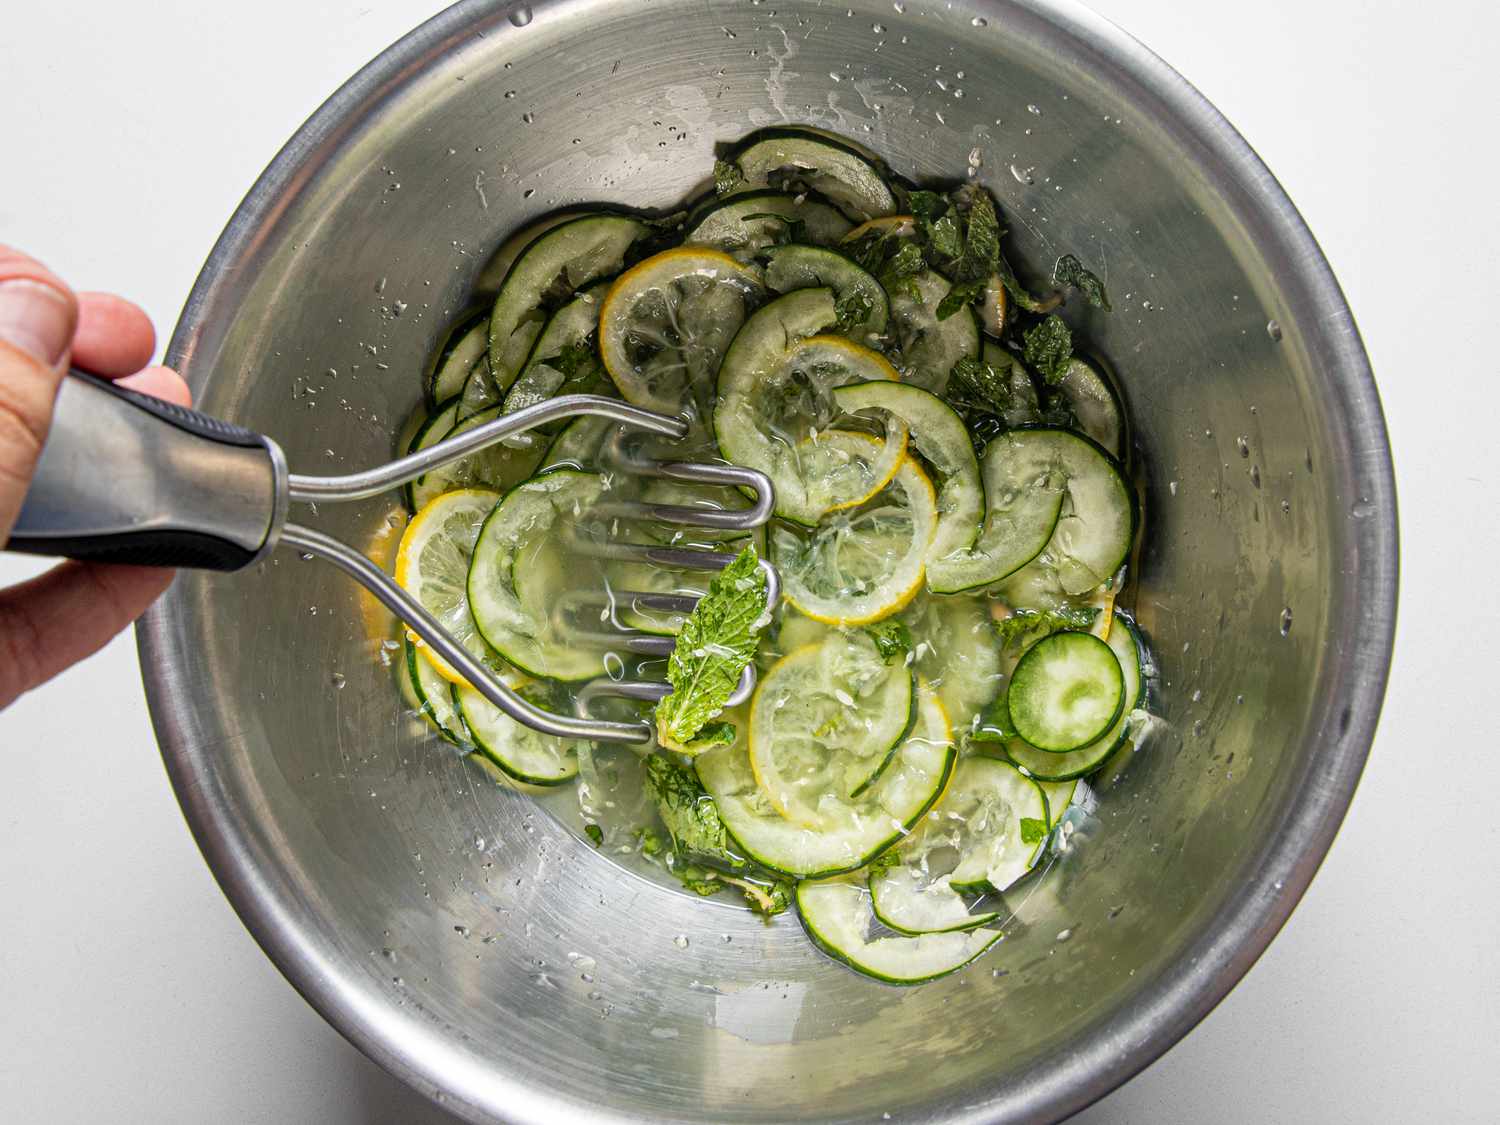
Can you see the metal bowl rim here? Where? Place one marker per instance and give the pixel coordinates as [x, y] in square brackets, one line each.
[1117, 1047]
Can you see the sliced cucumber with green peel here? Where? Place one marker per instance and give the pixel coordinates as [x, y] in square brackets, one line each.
[577, 444]
[550, 270]
[432, 696]
[485, 388]
[500, 466]
[564, 360]
[799, 266]
[929, 346]
[838, 915]
[862, 565]
[940, 436]
[497, 269]
[1064, 795]
[825, 722]
[957, 653]
[522, 754]
[1023, 492]
[1046, 766]
[466, 342]
[1096, 523]
[518, 572]
[746, 223]
[987, 832]
[430, 432]
[855, 831]
[1091, 395]
[667, 322]
[1066, 692]
[845, 177]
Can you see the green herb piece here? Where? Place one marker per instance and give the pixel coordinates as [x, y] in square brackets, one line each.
[994, 722]
[699, 880]
[1022, 296]
[793, 228]
[853, 309]
[1048, 347]
[575, 358]
[959, 294]
[991, 395]
[716, 643]
[1070, 273]
[650, 842]
[727, 177]
[689, 813]
[893, 640]
[946, 237]
[766, 899]
[882, 863]
[1028, 624]
[982, 239]
[595, 834]
[711, 736]
[1033, 831]
[926, 206]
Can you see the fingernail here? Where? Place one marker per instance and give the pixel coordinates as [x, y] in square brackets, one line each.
[36, 318]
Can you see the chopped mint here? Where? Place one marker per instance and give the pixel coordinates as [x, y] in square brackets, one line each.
[689, 813]
[1025, 625]
[893, 640]
[960, 294]
[1048, 347]
[595, 834]
[716, 643]
[1033, 831]
[1069, 273]
[727, 177]
[853, 309]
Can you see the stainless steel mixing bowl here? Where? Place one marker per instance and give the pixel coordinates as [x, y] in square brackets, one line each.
[474, 946]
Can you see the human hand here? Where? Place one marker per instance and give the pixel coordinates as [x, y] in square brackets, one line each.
[68, 613]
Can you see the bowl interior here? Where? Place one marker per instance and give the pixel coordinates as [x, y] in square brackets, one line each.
[472, 942]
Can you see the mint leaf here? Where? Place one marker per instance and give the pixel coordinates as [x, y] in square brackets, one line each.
[575, 358]
[595, 834]
[1033, 831]
[999, 390]
[727, 177]
[1069, 273]
[960, 294]
[893, 640]
[1018, 292]
[882, 863]
[982, 240]
[926, 206]
[690, 815]
[715, 644]
[710, 737]
[853, 309]
[1027, 624]
[1048, 347]
[946, 237]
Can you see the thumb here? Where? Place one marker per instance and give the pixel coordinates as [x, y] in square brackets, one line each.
[37, 318]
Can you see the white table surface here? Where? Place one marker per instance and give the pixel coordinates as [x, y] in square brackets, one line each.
[129, 990]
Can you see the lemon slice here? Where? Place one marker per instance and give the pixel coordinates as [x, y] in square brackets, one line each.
[432, 564]
[666, 323]
[844, 468]
[865, 564]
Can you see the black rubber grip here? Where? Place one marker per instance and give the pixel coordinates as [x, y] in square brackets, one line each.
[215, 429]
[143, 548]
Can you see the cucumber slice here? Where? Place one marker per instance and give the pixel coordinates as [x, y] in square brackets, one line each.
[956, 653]
[812, 267]
[1046, 766]
[564, 359]
[519, 571]
[449, 370]
[430, 432]
[667, 322]
[943, 440]
[555, 265]
[432, 696]
[856, 831]
[432, 564]
[1096, 524]
[1095, 404]
[848, 179]
[1066, 692]
[838, 915]
[978, 829]
[775, 389]
[495, 271]
[1063, 795]
[500, 466]
[577, 444]
[739, 224]
[929, 346]
[861, 566]
[825, 723]
[1024, 491]
[487, 384]
[522, 754]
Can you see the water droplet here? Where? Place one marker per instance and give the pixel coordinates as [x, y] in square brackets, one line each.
[900, 8]
[461, 931]
[664, 1033]
[1362, 509]
[1198, 728]
[1023, 175]
[1273, 330]
[398, 982]
[1172, 487]
[1242, 443]
[528, 117]
[1065, 935]
[878, 28]
[510, 93]
[521, 16]
[979, 21]
[681, 941]
[1286, 507]
[1286, 620]
[1034, 110]
[1255, 475]
[388, 954]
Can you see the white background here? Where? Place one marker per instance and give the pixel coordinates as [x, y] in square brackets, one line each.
[128, 989]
